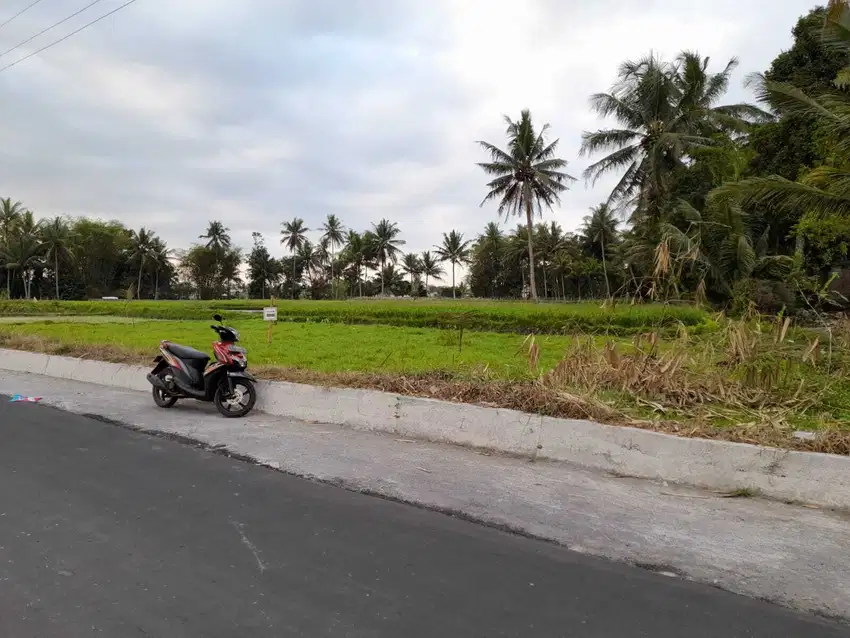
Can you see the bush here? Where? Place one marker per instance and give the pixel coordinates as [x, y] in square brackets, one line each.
[768, 297]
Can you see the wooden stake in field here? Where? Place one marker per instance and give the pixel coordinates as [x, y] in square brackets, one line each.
[270, 316]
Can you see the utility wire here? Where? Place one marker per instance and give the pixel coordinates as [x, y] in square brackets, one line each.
[52, 26]
[21, 12]
[73, 33]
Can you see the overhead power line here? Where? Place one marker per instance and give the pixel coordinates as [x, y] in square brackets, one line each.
[52, 26]
[21, 12]
[63, 38]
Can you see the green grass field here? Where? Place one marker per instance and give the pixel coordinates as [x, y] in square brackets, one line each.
[318, 347]
[517, 317]
[71, 319]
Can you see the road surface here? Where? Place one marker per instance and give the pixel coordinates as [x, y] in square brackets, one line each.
[104, 531]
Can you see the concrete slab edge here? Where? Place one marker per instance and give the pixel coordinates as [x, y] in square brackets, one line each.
[821, 479]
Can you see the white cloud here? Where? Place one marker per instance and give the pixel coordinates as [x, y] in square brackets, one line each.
[173, 113]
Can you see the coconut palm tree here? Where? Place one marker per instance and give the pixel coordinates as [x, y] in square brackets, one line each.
[10, 213]
[141, 245]
[23, 248]
[355, 247]
[488, 252]
[431, 268]
[386, 244]
[412, 266]
[516, 249]
[333, 234]
[294, 236]
[370, 253]
[218, 240]
[527, 176]
[20, 254]
[160, 257]
[599, 234]
[663, 111]
[455, 250]
[549, 238]
[311, 259]
[217, 236]
[697, 92]
[394, 280]
[57, 241]
[492, 235]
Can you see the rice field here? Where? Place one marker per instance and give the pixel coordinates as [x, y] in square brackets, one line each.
[485, 316]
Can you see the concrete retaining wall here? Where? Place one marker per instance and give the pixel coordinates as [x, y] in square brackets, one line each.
[823, 479]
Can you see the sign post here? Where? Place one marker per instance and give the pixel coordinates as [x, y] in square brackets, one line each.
[270, 316]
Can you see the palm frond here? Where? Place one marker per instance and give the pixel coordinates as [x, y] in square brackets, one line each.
[773, 267]
[836, 181]
[788, 98]
[836, 27]
[784, 194]
[677, 239]
[688, 212]
[627, 186]
[747, 112]
[550, 165]
[497, 168]
[607, 104]
[606, 139]
[718, 83]
[496, 154]
[616, 160]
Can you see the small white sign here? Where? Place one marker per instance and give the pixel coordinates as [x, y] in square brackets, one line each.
[270, 314]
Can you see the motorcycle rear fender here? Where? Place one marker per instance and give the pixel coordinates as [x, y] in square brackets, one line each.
[161, 364]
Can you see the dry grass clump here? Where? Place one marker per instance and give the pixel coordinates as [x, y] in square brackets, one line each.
[744, 386]
[112, 354]
[747, 368]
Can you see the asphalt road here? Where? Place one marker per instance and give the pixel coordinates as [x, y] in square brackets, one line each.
[108, 532]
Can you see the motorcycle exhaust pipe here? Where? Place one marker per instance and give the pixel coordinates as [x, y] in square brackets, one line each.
[156, 382]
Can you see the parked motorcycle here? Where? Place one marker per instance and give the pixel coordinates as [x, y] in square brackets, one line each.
[185, 373]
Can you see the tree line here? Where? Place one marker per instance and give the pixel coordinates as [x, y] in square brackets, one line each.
[727, 203]
[79, 258]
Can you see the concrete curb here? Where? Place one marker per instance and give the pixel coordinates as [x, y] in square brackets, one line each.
[822, 479]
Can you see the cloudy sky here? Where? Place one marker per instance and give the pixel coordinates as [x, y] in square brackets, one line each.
[174, 112]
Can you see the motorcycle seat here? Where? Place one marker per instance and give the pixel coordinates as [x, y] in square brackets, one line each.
[184, 352]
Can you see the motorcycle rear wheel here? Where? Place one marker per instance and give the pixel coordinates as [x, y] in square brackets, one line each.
[163, 399]
[245, 396]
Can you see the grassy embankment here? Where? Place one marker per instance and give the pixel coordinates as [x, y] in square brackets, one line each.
[674, 369]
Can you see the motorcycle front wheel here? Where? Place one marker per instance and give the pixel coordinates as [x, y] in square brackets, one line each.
[240, 403]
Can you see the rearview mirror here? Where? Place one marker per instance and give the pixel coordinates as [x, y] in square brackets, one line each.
[218, 318]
